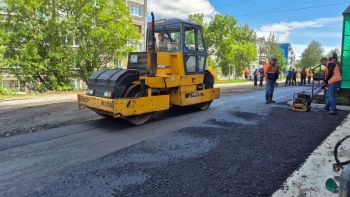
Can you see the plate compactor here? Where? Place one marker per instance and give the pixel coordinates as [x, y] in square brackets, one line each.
[302, 100]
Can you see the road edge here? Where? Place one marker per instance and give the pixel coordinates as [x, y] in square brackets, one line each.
[309, 179]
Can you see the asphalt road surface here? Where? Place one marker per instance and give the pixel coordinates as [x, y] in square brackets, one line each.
[32, 117]
[238, 147]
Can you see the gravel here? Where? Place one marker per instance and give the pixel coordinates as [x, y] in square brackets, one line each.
[242, 154]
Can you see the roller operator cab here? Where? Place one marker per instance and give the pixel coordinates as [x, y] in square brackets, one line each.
[171, 72]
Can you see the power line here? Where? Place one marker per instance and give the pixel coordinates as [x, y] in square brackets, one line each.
[294, 9]
[282, 5]
[265, 13]
[301, 31]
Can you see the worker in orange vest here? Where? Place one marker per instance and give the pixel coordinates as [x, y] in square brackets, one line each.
[333, 81]
[303, 75]
[271, 73]
[308, 74]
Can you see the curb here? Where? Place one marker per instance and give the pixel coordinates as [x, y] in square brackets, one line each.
[321, 106]
[39, 100]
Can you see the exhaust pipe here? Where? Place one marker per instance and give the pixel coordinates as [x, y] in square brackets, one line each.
[153, 67]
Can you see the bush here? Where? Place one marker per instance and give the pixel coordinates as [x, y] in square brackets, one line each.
[230, 81]
[4, 91]
[65, 87]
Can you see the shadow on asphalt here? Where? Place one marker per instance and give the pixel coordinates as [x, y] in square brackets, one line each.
[174, 111]
[114, 124]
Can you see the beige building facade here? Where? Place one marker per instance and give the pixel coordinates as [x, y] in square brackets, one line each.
[138, 13]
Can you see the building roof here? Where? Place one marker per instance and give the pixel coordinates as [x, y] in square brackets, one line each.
[347, 11]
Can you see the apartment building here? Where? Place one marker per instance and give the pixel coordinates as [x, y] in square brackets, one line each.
[288, 54]
[138, 13]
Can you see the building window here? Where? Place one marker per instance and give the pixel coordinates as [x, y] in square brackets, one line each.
[139, 28]
[96, 4]
[118, 64]
[137, 46]
[135, 10]
[69, 40]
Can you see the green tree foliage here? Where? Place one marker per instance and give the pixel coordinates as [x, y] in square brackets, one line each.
[198, 18]
[232, 46]
[49, 42]
[281, 60]
[221, 29]
[213, 63]
[311, 55]
[332, 51]
[101, 32]
[245, 51]
[2, 52]
[32, 54]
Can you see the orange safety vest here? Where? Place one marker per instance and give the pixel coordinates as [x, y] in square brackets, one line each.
[336, 75]
[269, 71]
[266, 67]
[308, 73]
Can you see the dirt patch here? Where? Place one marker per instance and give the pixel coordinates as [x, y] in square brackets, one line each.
[37, 95]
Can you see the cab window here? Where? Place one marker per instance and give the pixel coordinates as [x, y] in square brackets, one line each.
[190, 39]
[191, 64]
[166, 39]
[200, 41]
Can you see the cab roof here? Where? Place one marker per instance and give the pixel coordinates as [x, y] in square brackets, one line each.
[170, 21]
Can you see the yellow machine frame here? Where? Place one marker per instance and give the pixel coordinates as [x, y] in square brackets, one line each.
[180, 89]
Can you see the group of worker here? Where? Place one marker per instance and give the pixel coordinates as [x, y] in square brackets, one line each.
[332, 80]
[292, 75]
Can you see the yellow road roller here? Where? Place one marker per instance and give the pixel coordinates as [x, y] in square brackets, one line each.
[171, 72]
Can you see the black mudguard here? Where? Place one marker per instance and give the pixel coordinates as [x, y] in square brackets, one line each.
[112, 80]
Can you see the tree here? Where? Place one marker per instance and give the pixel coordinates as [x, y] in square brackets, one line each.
[221, 42]
[101, 32]
[213, 35]
[197, 18]
[213, 63]
[48, 40]
[336, 51]
[271, 49]
[2, 52]
[32, 44]
[281, 60]
[245, 51]
[232, 46]
[311, 55]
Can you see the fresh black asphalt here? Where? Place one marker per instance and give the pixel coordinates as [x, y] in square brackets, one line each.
[243, 152]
